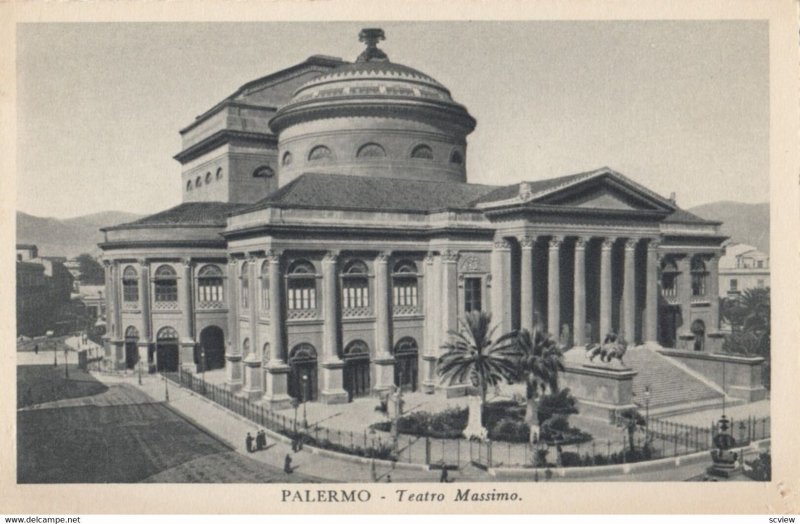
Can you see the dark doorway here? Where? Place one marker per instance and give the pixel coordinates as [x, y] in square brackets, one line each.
[303, 372]
[356, 370]
[669, 320]
[167, 350]
[211, 351]
[131, 347]
[406, 366]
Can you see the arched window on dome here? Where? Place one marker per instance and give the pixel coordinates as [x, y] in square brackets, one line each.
[219, 173]
[130, 285]
[189, 185]
[166, 284]
[198, 181]
[422, 151]
[287, 158]
[456, 158]
[320, 154]
[371, 150]
[263, 172]
[355, 286]
[208, 178]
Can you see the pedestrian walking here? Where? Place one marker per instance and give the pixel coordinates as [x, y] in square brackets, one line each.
[443, 477]
[389, 479]
[261, 440]
[249, 443]
[287, 464]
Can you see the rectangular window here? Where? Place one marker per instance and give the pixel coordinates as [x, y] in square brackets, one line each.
[302, 294]
[130, 290]
[669, 284]
[166, 291]
[210, 290]
[734, 285]
[355, 293]
[264, 294]
[698, 284]
[472, 294]
[760, 263]
[405, 291]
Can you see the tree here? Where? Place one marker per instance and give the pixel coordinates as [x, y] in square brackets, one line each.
[91, 270]
[540, 362]
[473, 353]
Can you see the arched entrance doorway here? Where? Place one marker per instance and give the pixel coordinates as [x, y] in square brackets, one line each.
[303, 372]
[131, 347]
[406, 364]
[699, 332]
[356, 369]
[167, 350]
[211, 351]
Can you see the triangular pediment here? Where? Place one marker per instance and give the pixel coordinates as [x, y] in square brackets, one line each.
[601, 193]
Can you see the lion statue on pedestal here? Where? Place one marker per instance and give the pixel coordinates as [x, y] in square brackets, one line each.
[613, 347]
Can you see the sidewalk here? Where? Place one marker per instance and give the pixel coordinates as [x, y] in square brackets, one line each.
[233, 429]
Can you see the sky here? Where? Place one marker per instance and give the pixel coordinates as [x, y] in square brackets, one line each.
[677, 106]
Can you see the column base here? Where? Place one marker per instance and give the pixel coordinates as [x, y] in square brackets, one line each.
[233, 372]
[186, 356]
[276, 384]
[252, 378]
[429, 381]
[332, 391]
[384, 374]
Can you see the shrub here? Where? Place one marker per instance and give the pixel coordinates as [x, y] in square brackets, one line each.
[561, 403]
[556, 430]
[761, 467]
[510, 430]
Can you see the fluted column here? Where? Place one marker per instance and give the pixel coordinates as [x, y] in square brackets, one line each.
[651, 307]
[147, 318]
[579, 293]
[526, 309]
[605, 288]
[712, 266]
[187, 312]
[233, 354]
[553, 287]
[384, 363]
[449, 295]
[629, 292]
[332, 366]
[431, 351]
[501, 294]
[276, 377]
[252, 361]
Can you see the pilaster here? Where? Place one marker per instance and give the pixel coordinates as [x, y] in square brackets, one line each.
[332, 366]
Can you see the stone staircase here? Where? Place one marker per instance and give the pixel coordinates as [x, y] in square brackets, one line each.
[674, 388]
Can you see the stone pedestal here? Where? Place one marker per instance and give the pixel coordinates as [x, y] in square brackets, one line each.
[332, 391]
[233, 371]
[252, 387]
[384, 374]
[602, 390]
[186, 356]
[276, 385]
[742, 374]
[119, 354]
[143, 349]
[429, 380]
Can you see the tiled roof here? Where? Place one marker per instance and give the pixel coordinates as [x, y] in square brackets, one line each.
[314, 190]
[680, 216]
[188, 213]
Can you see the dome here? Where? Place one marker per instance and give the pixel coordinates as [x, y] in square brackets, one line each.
[393, 107]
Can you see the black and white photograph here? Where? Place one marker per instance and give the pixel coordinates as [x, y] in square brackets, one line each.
[496, 254]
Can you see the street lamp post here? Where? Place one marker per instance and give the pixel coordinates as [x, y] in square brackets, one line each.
[139, 366]
[305, 387]
[66, 364]
[646, 412]
[166, 388]
[203, 369]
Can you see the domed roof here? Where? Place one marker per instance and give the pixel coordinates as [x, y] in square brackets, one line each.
[372, 85]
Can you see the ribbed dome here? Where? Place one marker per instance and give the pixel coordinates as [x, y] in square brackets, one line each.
[373, 86]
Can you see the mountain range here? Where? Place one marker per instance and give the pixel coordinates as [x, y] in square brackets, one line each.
[744, 223]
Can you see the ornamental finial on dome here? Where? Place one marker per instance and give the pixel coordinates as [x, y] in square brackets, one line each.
[371, 37]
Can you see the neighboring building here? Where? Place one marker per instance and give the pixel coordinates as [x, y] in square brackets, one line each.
[328, 240]
[43, 292]
[742, 267]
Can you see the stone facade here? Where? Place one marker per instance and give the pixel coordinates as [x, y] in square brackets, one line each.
[340, 271]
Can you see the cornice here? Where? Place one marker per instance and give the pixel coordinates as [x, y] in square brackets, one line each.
[221, 137]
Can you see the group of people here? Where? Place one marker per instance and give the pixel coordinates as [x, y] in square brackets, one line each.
[260, 441]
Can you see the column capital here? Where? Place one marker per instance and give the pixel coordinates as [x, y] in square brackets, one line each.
[555, 242]
[653, 244]
[330, 257]
[141, 261]
[232, 260]
[580, 242]
[186, 261]
[630, 244]
[273, 256]
[429, 257]
[527, 241]
[501, 244]
[608, 243]
[450, 256]
[382, 257]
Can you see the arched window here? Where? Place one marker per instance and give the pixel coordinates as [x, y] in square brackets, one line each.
[198, 182]
[371, 150]
[167, 333]
[189, 185]
[301, 286]
[263, 172]
[132, 333]
[265, 286]
[166, 284]
[699, 275]
[319, 154]
[245, 285]
[355, 287]
[404, 283]
[219, 173]
[130, 285]
[456, 158]
[356, 349]
[265, 353]
[287, 158]
[209, 284]
[246, 346]
[422, 151]
[669, 278]
[208, 177]
[303, 352]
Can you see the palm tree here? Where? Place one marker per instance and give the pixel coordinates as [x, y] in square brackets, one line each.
[540, 362]
[472, 353]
